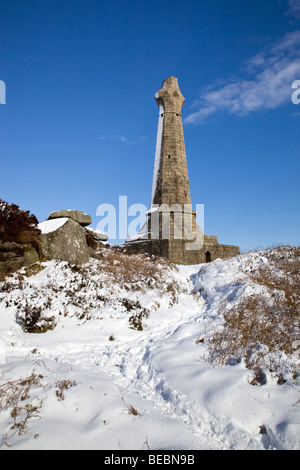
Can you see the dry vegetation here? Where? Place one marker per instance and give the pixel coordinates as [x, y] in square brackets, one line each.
[137, 272]
[15, 396]
[61, 386]
[263, 328]
[23, 399]
[112, 279]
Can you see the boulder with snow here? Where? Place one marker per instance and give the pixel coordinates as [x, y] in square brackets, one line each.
[78, 216]
[97, 235]
[64, 239]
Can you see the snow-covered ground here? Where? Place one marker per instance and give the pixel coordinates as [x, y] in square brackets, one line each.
[96, 382]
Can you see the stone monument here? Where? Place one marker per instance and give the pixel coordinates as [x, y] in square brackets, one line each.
[171, 230]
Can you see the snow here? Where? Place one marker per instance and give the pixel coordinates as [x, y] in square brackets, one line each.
[51, 225]
[181, 400]
[142, 234]
[158, 150]
[97, 232]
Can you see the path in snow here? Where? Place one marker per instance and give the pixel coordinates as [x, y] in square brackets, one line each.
[183, 401]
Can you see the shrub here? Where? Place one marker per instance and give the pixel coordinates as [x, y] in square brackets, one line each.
[257, 332]
[14, 394]
[138, 315]
[31, 320]
[263, 328]
[63, 385]
[136, 320]
[136, 272]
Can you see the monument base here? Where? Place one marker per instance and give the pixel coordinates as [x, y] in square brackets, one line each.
[176, 250]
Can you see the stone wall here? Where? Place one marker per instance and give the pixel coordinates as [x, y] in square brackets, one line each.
[175, 250]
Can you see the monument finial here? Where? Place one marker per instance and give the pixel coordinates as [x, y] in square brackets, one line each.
[170, 96]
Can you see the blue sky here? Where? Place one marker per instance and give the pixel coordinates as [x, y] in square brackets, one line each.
[79, 125]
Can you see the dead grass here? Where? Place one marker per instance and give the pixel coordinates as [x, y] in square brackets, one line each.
[23, 399]
[33, 269]
[62, 386]
[264, 329]
[15, 395]
[133, 271]
[133, 411]
[116, 273]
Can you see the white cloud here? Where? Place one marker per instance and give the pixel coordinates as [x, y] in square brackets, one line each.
[271, 71]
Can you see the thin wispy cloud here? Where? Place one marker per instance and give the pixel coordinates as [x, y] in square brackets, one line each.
[123, 139]
[294, 8]
[112, 137]
[268, 85]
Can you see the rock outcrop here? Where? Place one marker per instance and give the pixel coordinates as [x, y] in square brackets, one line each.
[14, 256]
[97, 235]
[65, 236]
[64, 239]
[78, 216]
[20, 243]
